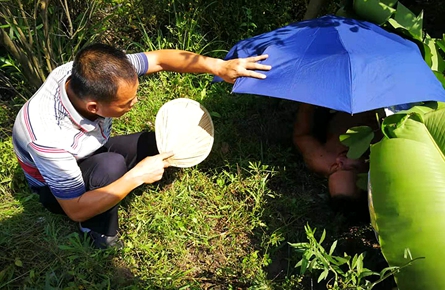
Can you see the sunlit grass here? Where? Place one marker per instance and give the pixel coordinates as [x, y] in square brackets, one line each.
[224, 224]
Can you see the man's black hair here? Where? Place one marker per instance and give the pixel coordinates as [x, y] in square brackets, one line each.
[97, 70]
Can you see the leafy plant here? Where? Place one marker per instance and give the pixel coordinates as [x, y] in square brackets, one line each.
[358, 140]
[41, 35]
[394, 16]
[406, 193]
[404, 204]
[341, 272]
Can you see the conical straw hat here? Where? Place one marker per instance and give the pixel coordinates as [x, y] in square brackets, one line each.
[185, 127]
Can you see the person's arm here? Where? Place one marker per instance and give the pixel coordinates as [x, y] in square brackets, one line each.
[304, 121]
[99, 200]
[188, 62]
[311, 149]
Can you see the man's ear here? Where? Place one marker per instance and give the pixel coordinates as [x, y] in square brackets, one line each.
[92, 107]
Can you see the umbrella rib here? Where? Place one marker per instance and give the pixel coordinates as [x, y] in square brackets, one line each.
[350, 74]
[305, 52]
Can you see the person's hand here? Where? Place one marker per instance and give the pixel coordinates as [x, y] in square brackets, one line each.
[231, 69]
[151, 169]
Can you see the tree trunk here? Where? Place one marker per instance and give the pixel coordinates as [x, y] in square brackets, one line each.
[313, 8]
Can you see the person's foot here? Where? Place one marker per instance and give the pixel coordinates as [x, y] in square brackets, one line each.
[100, 241]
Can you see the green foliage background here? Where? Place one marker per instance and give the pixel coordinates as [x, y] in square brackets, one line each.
[225, 224]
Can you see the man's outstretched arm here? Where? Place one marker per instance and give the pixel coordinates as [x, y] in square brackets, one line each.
[188, 62]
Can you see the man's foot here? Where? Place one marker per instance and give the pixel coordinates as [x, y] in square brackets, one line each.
[100, 241]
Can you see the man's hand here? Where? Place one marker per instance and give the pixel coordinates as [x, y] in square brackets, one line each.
[151, 169]
[99, 200]
[230, 70]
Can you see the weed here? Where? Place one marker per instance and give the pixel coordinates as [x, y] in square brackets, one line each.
[341, 272]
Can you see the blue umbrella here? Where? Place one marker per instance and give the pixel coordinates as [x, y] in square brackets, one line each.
[339, 63]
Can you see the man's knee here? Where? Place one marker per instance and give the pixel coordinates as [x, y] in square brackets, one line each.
[108, 168]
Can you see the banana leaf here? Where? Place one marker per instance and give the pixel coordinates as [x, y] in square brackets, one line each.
[376, 11]
[407, 195]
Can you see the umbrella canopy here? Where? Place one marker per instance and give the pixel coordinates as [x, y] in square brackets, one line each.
[339, 63]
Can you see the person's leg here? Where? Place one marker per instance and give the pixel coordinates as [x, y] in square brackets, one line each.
[98, 171]
[105, 166]
[108, 164]
[133, 147]
[48, 200]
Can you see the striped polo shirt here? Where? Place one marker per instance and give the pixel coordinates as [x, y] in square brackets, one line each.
[50, 136]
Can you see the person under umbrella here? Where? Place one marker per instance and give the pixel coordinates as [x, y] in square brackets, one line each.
[343, 64]
[316, 136]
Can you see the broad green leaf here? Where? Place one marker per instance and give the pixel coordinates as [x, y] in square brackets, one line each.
[441, 43]
[409, 21]
[358, 140]
[367, 273]
[360, 263]
[425, 108]
[440, 77]
[323, 275]
[395, 24]
[427, 54]
[407, 197]
[340, 260]
[354, 261]
[438, 105]
[430, 114]
[303, 265]
[393, 122]
[331, 250]
[412, 128]
[374, 10]
[323, 236]
[432, 55]
[434, 122]
[390, 269]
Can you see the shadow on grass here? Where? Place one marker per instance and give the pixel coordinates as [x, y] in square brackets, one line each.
[41, 250]
[263, 133]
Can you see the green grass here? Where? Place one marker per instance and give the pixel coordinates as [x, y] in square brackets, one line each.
[224, 224]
